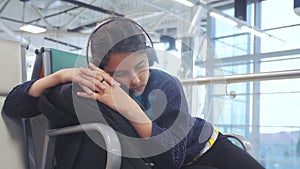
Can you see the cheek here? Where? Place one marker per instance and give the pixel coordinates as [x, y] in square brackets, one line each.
[126, 81]
[144, 76]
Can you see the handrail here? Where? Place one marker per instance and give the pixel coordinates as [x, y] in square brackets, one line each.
[275, 75]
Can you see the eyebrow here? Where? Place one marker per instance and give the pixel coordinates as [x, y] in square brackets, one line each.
[140, 62]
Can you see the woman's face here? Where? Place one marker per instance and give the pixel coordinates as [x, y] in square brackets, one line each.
[130, 69]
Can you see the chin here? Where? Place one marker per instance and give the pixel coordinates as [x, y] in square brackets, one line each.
[136, 93]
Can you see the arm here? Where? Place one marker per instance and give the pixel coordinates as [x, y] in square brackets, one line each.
[68, 75]
[42, 84]
[19, 104]
[116, 98]
[22, 100]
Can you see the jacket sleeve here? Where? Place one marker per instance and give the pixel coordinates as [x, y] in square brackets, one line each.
[171, 128]
[19, 104]
[57, 105]
[63, 107]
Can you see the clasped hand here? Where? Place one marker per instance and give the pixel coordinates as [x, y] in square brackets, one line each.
[107, 91]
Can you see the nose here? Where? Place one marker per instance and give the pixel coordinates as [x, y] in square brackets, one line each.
[135, 80]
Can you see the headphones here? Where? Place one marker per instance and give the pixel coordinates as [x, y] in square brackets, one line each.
[150, 52]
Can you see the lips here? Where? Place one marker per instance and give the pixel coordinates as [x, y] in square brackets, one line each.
[137, 90]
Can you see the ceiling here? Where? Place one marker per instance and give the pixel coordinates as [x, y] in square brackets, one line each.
[69, 22]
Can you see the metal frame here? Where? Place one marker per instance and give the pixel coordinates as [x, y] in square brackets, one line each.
[113, 145]
[46, 54]
[30, 149]
[246, 145]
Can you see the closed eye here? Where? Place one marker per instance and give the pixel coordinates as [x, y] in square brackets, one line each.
[140, 65]
[118, 73]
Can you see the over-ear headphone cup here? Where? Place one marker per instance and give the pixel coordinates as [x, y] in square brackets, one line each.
[152, 56]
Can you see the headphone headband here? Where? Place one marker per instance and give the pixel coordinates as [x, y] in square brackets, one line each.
[111, 19]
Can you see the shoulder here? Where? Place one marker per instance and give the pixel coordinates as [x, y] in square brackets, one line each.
[159, 79]
[161, 76]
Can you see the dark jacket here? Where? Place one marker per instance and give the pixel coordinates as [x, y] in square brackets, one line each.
[174, 131]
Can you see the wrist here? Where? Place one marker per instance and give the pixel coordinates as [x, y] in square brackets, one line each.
[57, 76]
[62, 76]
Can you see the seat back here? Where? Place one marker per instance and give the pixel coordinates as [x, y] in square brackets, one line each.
[47, 62]
[12, 143]
[54, 60]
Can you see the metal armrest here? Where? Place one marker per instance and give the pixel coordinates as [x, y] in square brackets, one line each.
[246, 145]
[111, 139]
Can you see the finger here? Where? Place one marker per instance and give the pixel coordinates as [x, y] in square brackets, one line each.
[101, 81]
[89, 84]
[85, 95]
[87, 72]
[89, 91]
[90, 79]
[102, 73]
[104, 83]
[93, 95]
[86, 89]
[105, 75]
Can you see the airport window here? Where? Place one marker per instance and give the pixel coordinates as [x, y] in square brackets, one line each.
[264, 111]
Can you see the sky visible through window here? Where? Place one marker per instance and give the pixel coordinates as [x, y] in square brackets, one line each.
[279, 107]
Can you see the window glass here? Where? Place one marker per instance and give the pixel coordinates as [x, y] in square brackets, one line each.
[280, 63]
[265, 112]
[283, 39]
[232, 46]
[277, 13]
[222, 28]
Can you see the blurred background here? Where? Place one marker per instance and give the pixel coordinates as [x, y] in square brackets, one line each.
[195, 39]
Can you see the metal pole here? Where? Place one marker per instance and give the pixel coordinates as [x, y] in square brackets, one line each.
[276, 75]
